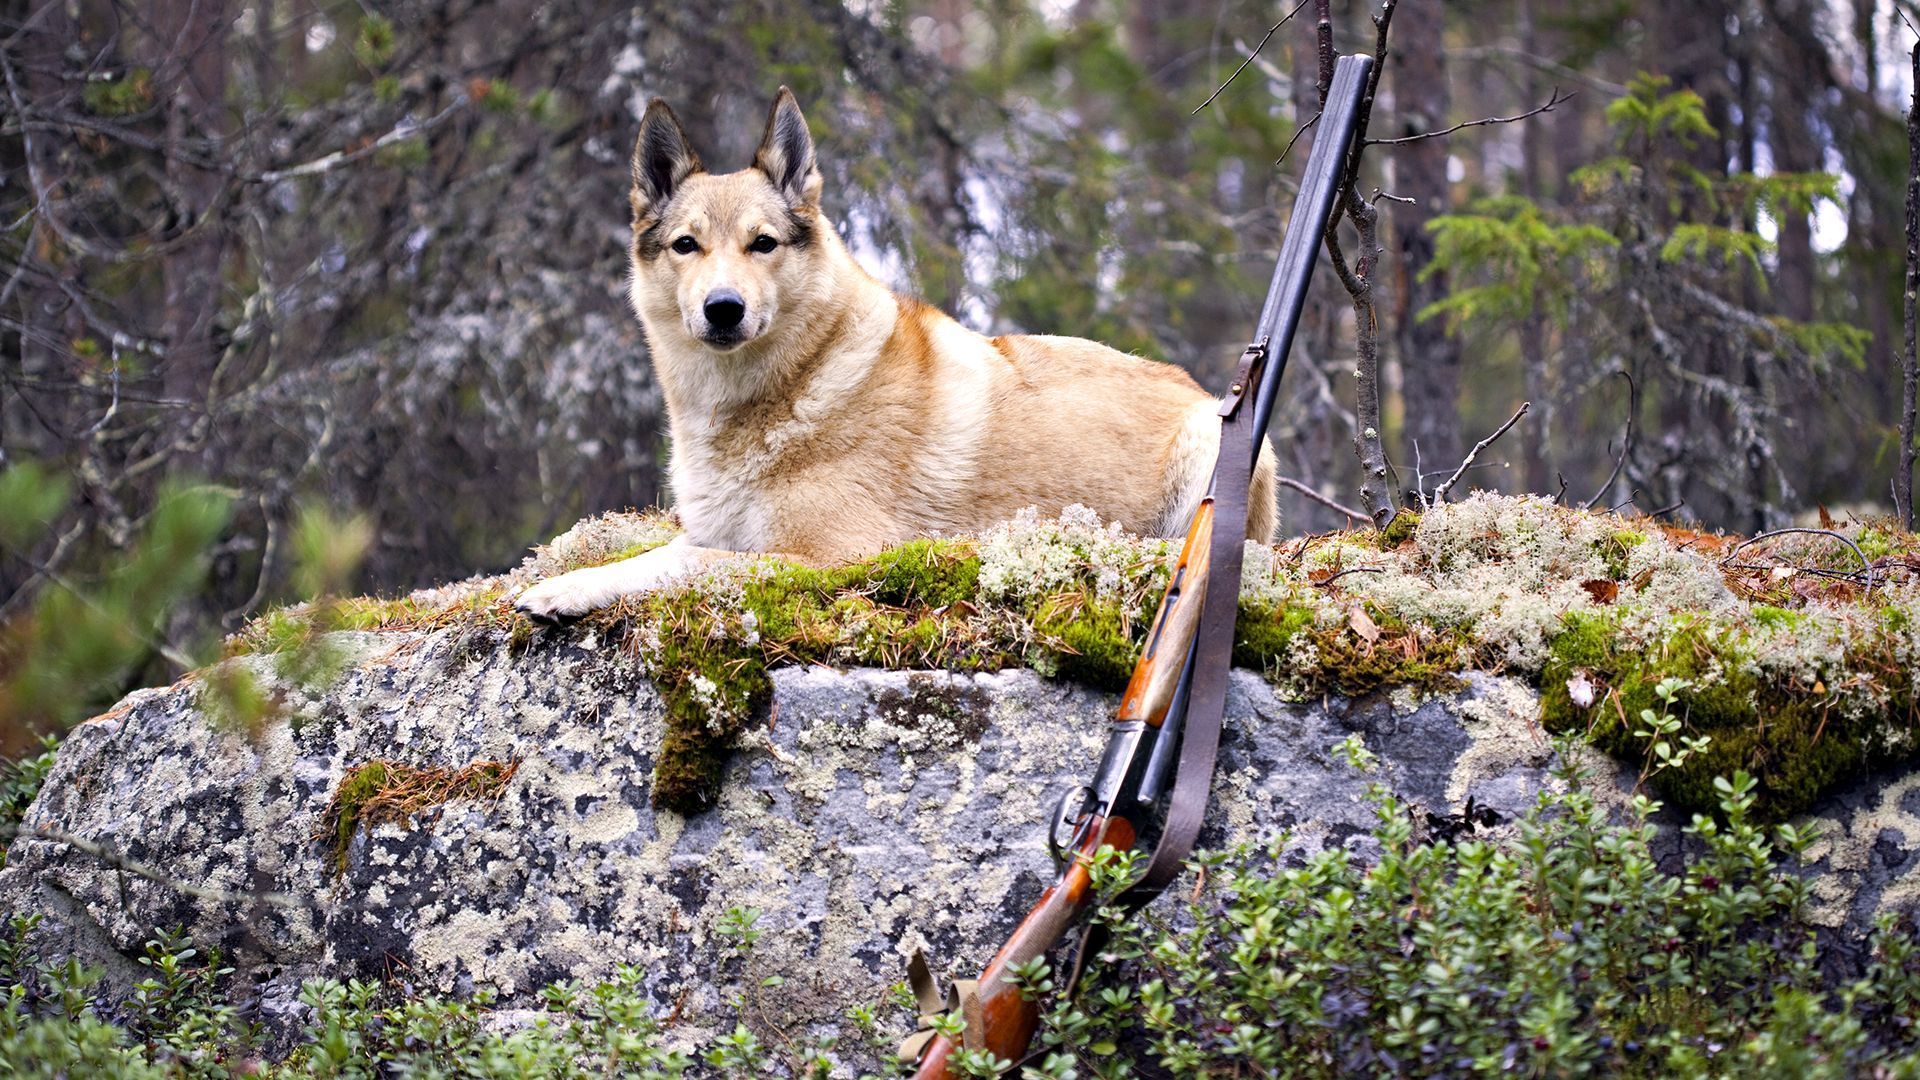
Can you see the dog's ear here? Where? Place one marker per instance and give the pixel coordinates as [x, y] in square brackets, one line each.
[662, 158]
[786, 153]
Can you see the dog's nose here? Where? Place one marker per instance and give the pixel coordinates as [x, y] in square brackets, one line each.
[725, 309]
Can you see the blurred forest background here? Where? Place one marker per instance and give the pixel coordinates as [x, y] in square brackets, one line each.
[260, 257]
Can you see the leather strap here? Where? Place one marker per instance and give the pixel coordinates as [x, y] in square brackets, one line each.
[962, 996]
[1213, 659]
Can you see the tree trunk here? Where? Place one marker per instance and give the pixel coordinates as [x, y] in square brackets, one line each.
[1909, 359]
[192, 79]
[1429, 355]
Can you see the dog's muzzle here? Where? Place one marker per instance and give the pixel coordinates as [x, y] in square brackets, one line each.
[725, 310]
[725, 313]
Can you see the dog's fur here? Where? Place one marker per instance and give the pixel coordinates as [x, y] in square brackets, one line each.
[838, 418]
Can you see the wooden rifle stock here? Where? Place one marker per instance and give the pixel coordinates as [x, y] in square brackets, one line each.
[1155, 678]
[1170, 706]
[997, 1016]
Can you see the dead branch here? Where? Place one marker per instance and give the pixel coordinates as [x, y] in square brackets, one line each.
[1297, 132]
[1727, 559]
[1440, 493]
[1358, 279]
[1553, 99]
[1250, 58]
[1350, 512]
[1626, 448]
[401, 132]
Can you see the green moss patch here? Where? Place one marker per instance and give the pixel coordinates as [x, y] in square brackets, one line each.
[1797, 669]
[289, 629]
[389, 791]
[1798, 737]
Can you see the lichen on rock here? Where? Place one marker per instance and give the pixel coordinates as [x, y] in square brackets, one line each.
[866, 811]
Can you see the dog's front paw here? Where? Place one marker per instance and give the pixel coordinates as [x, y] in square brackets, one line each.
[568, 596]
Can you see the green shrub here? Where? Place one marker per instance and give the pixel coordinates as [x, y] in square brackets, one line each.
[20, 782]
[1559, 949]
[1565, 950]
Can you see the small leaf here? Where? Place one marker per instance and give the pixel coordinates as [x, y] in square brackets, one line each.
[1603, 590]
[1362, 624]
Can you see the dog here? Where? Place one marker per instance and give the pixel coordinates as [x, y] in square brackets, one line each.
[816, 414]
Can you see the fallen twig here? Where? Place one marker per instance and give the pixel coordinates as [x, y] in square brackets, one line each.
[1757, 537]
[1331, 578]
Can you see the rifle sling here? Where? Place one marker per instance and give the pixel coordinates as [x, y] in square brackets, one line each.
[1213, 659]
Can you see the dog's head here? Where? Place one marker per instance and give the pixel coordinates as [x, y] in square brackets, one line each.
[720, 255]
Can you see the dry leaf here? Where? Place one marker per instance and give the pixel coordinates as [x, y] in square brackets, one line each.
[1603, 590]
[1826, 519]
[1362, 625]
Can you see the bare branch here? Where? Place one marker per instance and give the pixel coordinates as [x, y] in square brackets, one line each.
[1626, 450]
[1297, 132]
[1290, 482]
[1554, 99]
[1249, 59]
[1865, 562]
[401, 132]
[1440, 493]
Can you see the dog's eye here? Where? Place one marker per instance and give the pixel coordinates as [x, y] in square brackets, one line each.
[686, 245]
[763, 244]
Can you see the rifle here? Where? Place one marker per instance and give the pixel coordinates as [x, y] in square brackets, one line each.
[1176, 697]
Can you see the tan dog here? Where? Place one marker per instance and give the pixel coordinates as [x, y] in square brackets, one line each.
[816, 414]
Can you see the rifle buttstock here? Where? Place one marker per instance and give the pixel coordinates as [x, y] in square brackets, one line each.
[999, 1020]
[1157, 675]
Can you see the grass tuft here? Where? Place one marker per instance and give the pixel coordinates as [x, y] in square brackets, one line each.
[382, 791]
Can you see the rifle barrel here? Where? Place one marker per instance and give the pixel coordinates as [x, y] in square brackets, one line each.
[1287, 293]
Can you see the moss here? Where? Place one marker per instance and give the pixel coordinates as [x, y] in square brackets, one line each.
[1790, 736]
[1093, 640]
[1490, 581]
[1399, 530]
[627, 552]
[388, 791]
[1266, 632]
[1354, 667]
[1769, 616]
[1615, 548]
[935, 573]
[287, 629]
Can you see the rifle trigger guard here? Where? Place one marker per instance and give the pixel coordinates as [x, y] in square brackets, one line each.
[1068, 821]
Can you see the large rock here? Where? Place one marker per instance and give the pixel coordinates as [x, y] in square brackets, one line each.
[869, 813]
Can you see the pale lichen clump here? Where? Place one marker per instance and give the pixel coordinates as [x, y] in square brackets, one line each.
[1030, 558]
[1795, 674]
[599, 540]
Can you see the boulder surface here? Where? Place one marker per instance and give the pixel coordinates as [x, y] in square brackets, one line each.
[866, 813]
